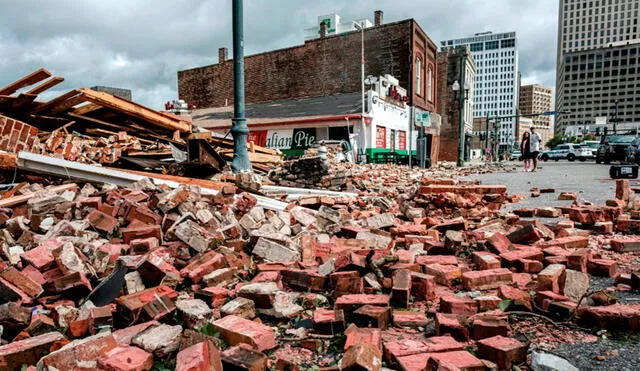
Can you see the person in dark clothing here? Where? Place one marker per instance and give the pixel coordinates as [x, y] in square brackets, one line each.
[524, 149]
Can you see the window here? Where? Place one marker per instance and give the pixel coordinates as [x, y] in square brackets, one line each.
[418, 76]
[430, 84]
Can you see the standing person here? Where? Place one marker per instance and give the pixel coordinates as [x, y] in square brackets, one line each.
[524, 149]
[534, 147]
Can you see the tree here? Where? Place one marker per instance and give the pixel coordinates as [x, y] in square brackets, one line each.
[589, 137]
[557, 139]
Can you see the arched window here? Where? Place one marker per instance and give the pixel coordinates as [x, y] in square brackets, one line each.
[418, 76]
[430, 84]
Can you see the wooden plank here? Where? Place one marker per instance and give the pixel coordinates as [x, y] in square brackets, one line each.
[30, 79]
[83, 110]
[12, 191]
[22, 100]
[67, 104]
[46, 85]
[17, 200]
[55, 101]
[8, 161]
[135, 110]
[96, 121]
[107, 132]
[253, 156]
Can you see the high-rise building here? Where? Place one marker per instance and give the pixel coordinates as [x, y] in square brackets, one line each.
[536, 99]
[595, 64]
[496, 84]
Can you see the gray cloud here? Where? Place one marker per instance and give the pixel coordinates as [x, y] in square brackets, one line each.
[141, 44]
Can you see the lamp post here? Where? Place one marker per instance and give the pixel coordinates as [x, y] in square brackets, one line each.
[615, 117]
[461, 97]
[239, 128]
[361, 28]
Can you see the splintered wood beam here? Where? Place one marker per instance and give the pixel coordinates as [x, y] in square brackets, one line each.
[46, 85]
[67, 104]
[28, 80]
[83, 110]
[55, 101]
[135, 110]
[97, 121]
[22, 100]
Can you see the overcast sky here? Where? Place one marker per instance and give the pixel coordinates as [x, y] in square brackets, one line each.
[141, 44]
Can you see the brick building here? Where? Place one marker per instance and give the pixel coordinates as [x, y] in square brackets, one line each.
[448, 72]
[535, 99]
[326, 66]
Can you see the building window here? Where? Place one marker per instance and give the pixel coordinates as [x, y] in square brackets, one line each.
[430, 84]
[418, 76]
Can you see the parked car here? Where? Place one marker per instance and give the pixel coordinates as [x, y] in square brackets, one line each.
[515, 156]
[614, 148]
[568, 151]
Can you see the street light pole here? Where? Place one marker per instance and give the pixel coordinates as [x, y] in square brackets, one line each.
[239, 128]
[361, 28]
[486, 139]
[461, 99]
[615, 118]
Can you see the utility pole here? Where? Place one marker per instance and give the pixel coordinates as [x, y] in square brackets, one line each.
[486, 138]
[615, 118]
[239, 128]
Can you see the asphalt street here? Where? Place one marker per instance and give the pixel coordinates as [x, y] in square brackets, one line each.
[590, 180]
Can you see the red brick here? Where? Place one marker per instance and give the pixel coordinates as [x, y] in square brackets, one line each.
[328, 322]
[423, 286]
[486, 326]
[364, 356]
[124, 336]
[126, 358]
[529, 266]
[486, 260]
[531, 253]
[142, 231]
[401, 291]
[487, 302]
[572, 242]
[499, 243]
[203, 356]
[394, 350]
[372, 316]
[578, 259]
[602, 267]
[450, 324]
[349, 303]
[21, 281]
[201, 265]
[615, 317]
[503, 351]
[544, 298]
[357, 335]
[458, 305]
[552, 278]
[457, 360]
[444, 274]
[625, 245]
[40, 257]
[101, 221]
[28, 351]
[84, 350]
[235, 330]
[519, 297]
[437, 259]
[242, 357]
[409, 319]
[307, 280]
[486, 279]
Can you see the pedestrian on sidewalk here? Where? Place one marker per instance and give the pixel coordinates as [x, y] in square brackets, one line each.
[524, 150]
[534, 147]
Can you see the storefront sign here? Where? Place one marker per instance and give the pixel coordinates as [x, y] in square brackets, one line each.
[381, 137]
[402, 140]
[258, 137]
[288, 138]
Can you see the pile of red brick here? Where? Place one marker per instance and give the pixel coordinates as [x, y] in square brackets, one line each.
[420, 275]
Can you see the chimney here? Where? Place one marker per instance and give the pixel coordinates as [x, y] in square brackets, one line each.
[222, 55]
[323, 29]
[377, 16]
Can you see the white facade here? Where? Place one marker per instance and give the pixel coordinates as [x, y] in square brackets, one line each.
[335, 26]
[496, 78]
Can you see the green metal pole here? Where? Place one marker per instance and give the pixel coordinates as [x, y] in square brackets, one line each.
[461, 98]
[239, 128]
